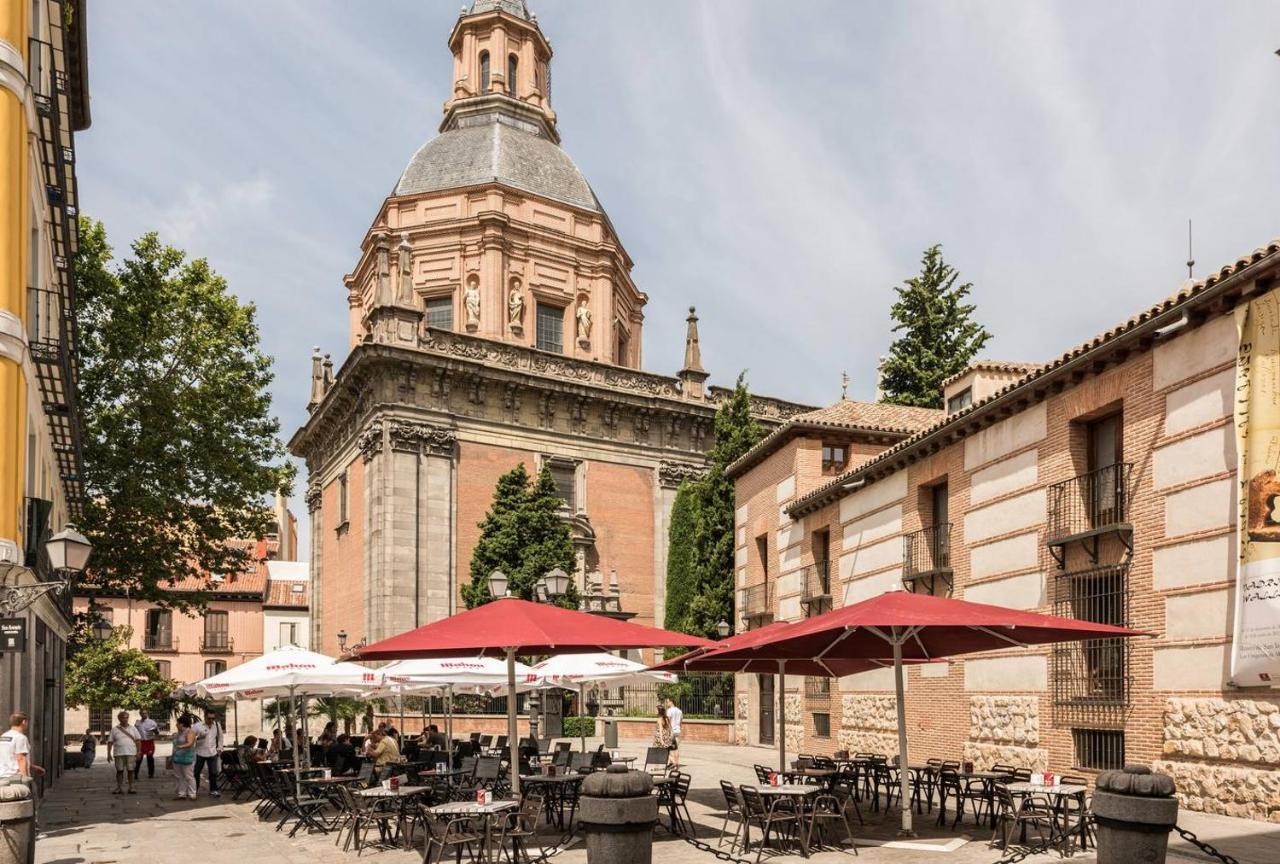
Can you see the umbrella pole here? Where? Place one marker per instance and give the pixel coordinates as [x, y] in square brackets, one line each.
[297, 776]
[903, 772]
[235, 712]
[582, 711]
[513, 740]
[782, 716]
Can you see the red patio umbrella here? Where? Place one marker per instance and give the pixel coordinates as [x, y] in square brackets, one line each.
[509, 626]
[916, 627]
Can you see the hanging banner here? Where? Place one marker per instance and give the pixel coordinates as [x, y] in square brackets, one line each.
[1255, 648]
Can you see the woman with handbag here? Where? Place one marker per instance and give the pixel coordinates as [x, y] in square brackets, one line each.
[662, 735]
[184, 758]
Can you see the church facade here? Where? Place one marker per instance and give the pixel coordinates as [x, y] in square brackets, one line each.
[493, 322]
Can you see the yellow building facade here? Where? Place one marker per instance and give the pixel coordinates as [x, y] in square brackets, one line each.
[43, 102]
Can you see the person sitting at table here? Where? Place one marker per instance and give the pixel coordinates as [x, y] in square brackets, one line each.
[278, 744]
[328, 735]
[341, 756]
[386, 755]
[248, 750]
[436, 739]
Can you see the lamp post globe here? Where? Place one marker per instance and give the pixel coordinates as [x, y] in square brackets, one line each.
[342, 640]
[498, 584]
[723, 628]
[68, 550]
[557, 583]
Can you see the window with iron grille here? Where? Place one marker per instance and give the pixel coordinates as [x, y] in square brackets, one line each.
[817, 687]
[1098, 749]
[1095, 671]
[440, 313]
[821, 725]
[550, 328]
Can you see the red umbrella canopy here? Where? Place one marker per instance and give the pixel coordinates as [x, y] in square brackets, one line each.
[529, 628]
[930, 628]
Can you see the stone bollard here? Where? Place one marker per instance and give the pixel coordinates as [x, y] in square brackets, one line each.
[618, 812]
[1134, 810]
[17, 824]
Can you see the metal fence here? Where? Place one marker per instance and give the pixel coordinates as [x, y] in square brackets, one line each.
[700, 695]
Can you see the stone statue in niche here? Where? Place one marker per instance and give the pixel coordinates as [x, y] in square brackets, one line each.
[405, 296]
[471, 301]
[584, 321]
[515, 306]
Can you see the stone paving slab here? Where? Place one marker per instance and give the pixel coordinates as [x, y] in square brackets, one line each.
[82, 823]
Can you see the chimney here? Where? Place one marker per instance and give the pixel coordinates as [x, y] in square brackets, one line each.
[692, 376]
[317, 384]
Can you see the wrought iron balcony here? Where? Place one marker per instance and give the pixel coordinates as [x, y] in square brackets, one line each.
[756, 601]
[816, 587]
[217, 643]
[817, 688]
[159, 640]
[926, 560]
[1085, 508]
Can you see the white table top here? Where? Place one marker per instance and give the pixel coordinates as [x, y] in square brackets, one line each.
[790, 789]
[383, 792]
[1041, 789]
[465, 808]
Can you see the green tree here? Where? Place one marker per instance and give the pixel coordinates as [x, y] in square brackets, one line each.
[106, 673]
[524, 535]
[736, 432]
[180, 449]
[681, 577]
[938, 334]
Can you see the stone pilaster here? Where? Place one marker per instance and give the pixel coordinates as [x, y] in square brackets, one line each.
[314, 501]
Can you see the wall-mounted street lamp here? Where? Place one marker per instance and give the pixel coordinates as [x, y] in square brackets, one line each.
[68, 552]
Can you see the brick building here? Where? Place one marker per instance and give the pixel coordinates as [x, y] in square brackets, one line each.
[493, 322]
[1100, 485]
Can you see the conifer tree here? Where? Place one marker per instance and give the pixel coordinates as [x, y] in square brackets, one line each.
[938, 334]
[681, 578]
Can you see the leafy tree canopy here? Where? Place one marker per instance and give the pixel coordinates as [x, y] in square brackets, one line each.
[938, 334]
[107, 673]
[181, 452]
[524, 535]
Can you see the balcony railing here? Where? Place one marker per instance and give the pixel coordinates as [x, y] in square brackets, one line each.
[816, 586]
[926, 560]
[755, 601]
[217, 643]
[159, 640]
[1086, 507]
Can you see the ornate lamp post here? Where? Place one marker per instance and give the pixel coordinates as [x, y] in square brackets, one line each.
[342, 641]
[68, 552]
[723, 628]
[498, 584]
[551, 587]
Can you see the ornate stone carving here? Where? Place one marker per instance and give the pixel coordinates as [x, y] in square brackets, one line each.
[370, 441]
[672, 474]
[415, 437]
[640, 424]
[609, 419]
[471, 301]
[313, 497]
[515, 306]
[547, 410]
[583, 316]
[578, 414]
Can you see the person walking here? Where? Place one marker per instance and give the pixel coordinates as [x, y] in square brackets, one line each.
[209, 751]
[675, 715]
[88, 748]
[147, 729]
[122, 748]
[184, 757]
[662, 735]
[15, 750]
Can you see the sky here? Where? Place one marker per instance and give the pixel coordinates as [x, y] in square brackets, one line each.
[780, 165]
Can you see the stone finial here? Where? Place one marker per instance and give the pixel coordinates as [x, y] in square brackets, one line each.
[692, 376]
[382, 293]
[327, 378]
[404, 292]
[317, 383]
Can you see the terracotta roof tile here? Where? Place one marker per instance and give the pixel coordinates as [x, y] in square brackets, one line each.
[993, 366]
[1186, 294]
[280, 593]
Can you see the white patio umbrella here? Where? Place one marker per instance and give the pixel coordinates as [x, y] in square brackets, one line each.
[288, 672]
[575, 671]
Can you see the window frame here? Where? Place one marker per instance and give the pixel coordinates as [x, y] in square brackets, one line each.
[440, 303]
[550, 312]
[960, 400]
[484, 72]
[513, 71]
[830, 464]
[214, 667]
[343, 502]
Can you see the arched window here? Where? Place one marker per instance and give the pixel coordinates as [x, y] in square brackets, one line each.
[512, 66]
[484, 71]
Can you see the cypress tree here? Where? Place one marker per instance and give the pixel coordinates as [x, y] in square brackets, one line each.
[681, 579]
[938, 334]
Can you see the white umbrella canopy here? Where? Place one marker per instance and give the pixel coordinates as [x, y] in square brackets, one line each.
[290, 671]
[460, 674]
[572, 670]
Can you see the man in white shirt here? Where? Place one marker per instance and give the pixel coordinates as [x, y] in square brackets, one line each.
[146, 729]
[208, 749]
[122, 749]
[15, 750]
[675, 715]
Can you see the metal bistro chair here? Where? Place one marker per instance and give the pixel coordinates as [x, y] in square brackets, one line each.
[580, 763]
[518, 827]
[445, 833]
[656, 757]
[361, 814]
[1074, 813]
[735, 811]
[1014, 814]
[779, 818]
[675, 797]
[827, 809]
[845, 788]
[762, 774]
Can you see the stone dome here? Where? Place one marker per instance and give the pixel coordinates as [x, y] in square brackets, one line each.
[496, 151]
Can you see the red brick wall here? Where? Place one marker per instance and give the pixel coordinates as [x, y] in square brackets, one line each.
[342, 562]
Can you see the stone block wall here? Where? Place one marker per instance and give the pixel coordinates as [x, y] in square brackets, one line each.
[795, 722]
[740, 719]
[869, 724]
[1213, 732]
[1005, 730]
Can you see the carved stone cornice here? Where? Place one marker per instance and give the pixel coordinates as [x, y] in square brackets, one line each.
[313, 497]
[672, 474]
[416, 437]
[370, 441]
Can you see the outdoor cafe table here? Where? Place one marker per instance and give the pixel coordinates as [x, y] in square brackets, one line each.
[403, 796]
[798, 792]
[476, 809]
[989, 780]
[553, 792]
[1057, 793]
[826, 775]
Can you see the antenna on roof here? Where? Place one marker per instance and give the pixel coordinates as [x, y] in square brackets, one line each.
[1191, 259]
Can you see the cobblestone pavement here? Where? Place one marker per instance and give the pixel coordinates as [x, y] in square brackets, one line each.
[82, 823]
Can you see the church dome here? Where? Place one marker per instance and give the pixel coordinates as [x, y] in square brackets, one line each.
[496, 152]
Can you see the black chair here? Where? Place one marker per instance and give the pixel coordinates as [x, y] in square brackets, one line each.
[778, 818]
[733, 811]
[827, 810]
[1015, 814]
[762, 774]
[845, 788]
[445, 833]
[656, 757]
[518, 828]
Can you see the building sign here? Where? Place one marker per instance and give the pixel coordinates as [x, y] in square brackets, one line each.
[1255, 648]
[13, 635]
